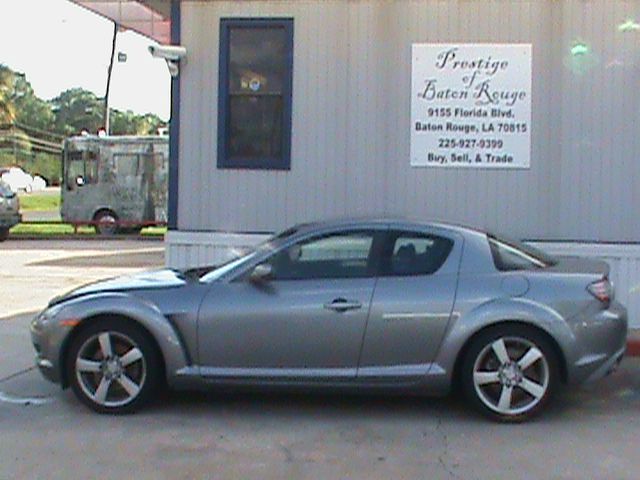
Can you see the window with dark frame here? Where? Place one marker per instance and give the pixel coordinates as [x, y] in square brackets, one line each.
[255, 88]
[81, 163]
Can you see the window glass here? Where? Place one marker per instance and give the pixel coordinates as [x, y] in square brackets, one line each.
[91, 168]
[216, 271]
[81, 163]
[512, 255]
[256, 70]
[344, 255]
[416, 254]
[257, 60]
[255, 127]
[75, 169]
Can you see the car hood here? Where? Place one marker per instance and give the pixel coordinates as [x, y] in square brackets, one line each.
[157, 279]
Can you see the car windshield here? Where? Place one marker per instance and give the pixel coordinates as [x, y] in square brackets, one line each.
[514, 255]
[207, 274]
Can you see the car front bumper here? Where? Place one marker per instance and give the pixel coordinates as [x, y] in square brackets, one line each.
[9, 220]
[47, 337]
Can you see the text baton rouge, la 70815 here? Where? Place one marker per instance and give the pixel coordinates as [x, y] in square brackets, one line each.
[471, 105]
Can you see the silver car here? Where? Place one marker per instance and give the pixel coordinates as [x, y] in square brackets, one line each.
[379, 305]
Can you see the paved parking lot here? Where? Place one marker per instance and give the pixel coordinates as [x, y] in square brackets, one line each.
[592, 432]
[32, 272]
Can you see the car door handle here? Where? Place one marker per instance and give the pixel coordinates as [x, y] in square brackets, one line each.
[342, 305]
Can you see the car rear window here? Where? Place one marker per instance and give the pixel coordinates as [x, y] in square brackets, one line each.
[511, 255]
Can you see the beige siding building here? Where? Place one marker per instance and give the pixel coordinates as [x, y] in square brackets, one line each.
[293, 110]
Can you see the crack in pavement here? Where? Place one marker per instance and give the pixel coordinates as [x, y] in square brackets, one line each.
[17, 374]
[442, 457]
[16, 400]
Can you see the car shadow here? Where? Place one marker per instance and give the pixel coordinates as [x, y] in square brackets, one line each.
[618, 394]
[296, 404]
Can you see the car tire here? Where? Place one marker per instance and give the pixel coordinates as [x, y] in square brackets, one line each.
[113, 366]
[106, 223]
[4, 234]
[510, 372]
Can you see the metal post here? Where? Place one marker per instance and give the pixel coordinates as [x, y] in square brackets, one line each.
[107, 126]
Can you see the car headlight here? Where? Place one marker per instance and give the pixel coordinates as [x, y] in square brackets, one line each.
[47, 315]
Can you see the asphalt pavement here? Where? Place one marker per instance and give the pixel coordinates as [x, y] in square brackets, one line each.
[34, 271]
[590, 432]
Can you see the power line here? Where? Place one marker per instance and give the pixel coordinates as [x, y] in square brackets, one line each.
[22, 126]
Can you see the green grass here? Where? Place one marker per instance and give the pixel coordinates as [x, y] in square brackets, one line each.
[57, 229]
[39, 201]
[153, 231]
[49, 229]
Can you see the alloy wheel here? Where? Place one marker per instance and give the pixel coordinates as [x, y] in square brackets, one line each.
[511, 376]
[111, 369]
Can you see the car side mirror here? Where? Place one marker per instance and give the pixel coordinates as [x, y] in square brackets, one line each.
[80, 181]
[261, 273]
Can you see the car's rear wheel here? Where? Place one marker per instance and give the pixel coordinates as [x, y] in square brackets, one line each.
[510, 372]
[4, 234]
[113, 366]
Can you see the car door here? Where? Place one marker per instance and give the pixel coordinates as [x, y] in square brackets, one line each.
[412, 303]
[306, 321]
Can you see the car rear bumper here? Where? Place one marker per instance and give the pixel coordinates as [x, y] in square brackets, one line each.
[609, 366]
[602, 341]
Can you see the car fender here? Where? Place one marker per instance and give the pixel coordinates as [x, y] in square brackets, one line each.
[464, 325]
[81, 310]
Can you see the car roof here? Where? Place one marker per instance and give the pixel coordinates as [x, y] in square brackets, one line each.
[394, 221]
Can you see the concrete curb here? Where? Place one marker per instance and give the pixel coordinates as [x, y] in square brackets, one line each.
[91, 238]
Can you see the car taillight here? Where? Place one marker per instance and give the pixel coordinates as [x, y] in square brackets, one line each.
[601, 289]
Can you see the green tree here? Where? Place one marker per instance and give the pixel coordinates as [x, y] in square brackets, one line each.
[30, 109]
[7, 107]
[77, 110]
[70, 113]
[128, 123]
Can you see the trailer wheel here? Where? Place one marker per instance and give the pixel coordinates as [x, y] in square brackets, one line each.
[106, 223]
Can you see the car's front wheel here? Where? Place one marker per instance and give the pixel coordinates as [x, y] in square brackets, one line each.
[113, 366]
[510, 372]
[4, 234]
[106, 223]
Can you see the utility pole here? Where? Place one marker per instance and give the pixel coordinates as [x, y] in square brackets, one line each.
[107, 126]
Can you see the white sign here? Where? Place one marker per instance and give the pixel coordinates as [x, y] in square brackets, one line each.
[471, 105]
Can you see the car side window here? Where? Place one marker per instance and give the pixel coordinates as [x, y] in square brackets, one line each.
[337, 255]
[412, 253]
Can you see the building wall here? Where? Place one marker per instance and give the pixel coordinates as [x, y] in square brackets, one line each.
[351, 126]
[351, 119]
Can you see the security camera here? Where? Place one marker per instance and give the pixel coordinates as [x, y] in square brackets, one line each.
[171, 53]
[168, 52]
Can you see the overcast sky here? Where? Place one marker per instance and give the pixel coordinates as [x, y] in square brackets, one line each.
[59, 45]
